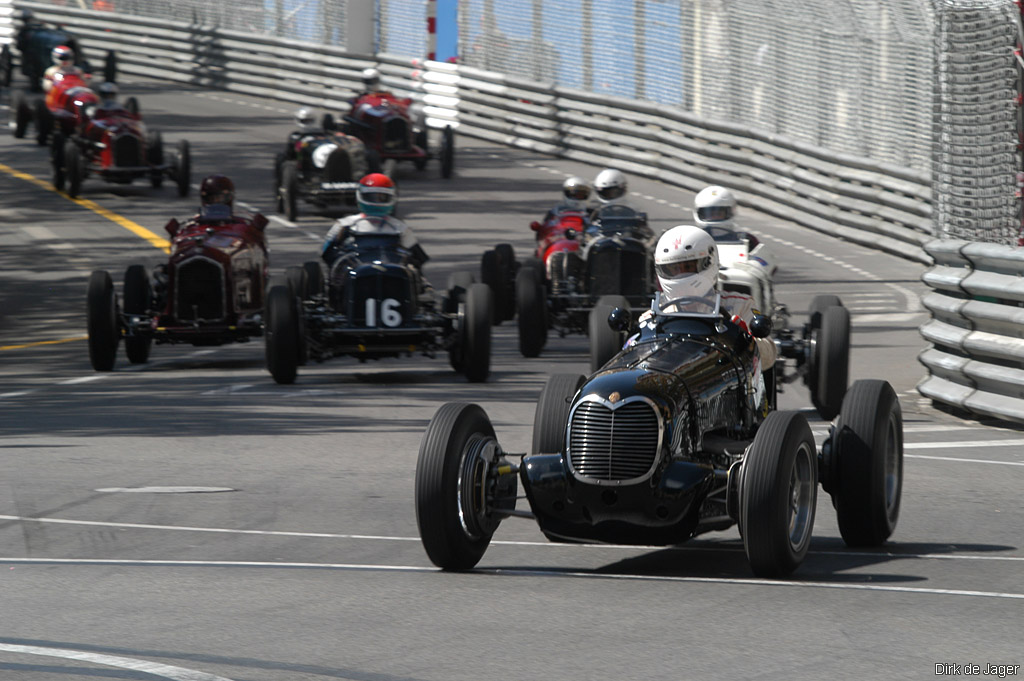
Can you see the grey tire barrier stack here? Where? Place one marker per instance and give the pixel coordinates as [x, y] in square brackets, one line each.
[877, 205]
[976, 330]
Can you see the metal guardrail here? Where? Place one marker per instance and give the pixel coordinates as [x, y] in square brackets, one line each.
[976, 362]
[884, 207]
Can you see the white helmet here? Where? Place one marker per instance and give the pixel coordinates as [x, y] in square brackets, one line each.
[686, 261]
[304, 118]
[610, 184]
[371, 79]
[714, 205]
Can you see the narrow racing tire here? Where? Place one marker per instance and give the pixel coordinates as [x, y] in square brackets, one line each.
[183, 171]
[489, 275]
[298, 284]
[137, 296]
[531, 302]
[778, 494]
[507, 268]
[451, 475]
[290, 190]
[314, 279]
[819, 304]
[867, 451]
[22, 115]
[476, 324]
[458, 285]
[74, 164]
[552, 413]
[282, 335]
[102, 321]
[447, 152]
[831, 361]
[605, 342]
[44, 122]
[155, 157]
[57, 161]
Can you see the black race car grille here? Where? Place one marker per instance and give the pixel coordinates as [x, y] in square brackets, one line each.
[617, 272]
[396, 135]
[127, 152]
[379, 290]
[199, 291]
[338, 167]
[613, 444]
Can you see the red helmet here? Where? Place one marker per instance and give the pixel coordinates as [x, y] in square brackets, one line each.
[376, 194]
[217, 189]
[62, 55]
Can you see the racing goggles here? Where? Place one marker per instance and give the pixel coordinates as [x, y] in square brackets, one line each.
[714, 213]
[377, 197]
[674, 270]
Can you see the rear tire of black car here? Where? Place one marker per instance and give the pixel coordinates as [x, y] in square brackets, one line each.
[831, 361]
[44, 122]
[290, 190]
[110, 67]
[137, 296]
[75, 168]
[22, 115]
[552, 413]
[447, 152]
[507, 269]
[57, 161]
[282, 334]
[489, 275]
[102, 321]
[778, 494]
[530, 307]
[155, 157]
[476, 324]
[451, 474]
[314, 279]
[132, 105]
[183, 171]
[605, 342]
[867, 451]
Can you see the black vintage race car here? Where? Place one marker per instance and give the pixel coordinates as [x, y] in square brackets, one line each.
[34, 43]
[603, 261]
[322, 168]
[673, 438]
[374, 303]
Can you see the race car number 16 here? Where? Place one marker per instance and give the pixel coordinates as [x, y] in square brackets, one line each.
[389, 312]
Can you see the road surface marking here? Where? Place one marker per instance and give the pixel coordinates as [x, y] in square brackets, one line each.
[155, 668]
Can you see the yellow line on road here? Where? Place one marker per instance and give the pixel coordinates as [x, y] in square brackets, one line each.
[133, 227]
[46, 342]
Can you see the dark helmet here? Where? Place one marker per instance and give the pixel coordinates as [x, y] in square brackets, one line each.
[217, 189]
[107, 91]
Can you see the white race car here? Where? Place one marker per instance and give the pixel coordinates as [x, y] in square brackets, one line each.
[746, 265]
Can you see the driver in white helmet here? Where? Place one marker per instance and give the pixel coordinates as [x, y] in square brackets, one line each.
[63, 64]
[686, 262]
[610, 186]
[714, 206]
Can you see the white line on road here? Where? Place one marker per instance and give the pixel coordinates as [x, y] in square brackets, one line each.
[165, 670]
[83, 379]
[950, 458]
[378, 537]
[526, 572]
[965, 444]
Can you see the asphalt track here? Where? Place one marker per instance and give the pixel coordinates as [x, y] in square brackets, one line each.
[190, 519]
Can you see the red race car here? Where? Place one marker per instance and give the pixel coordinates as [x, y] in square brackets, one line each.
[211, 291]
[384, 124]
[109, 140]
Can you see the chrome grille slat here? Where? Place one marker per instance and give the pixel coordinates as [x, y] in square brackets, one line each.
[613, 445]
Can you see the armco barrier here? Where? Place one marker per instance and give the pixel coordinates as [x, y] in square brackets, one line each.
[977, 328]
[884, 207]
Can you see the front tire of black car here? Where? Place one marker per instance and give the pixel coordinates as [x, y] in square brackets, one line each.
[282, 334]
[778, 495]
[137, 296]
[290, 190]
[476, 336]
[867, 450]
[531, 302]
[605, 342]
[455, 522]
[75, 168]
[552, 412]
[44, 122]
[102, 321]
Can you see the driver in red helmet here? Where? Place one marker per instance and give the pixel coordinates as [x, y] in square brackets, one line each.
[63, 64]
[376, 197]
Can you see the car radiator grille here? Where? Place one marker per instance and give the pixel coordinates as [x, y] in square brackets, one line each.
[127, 152]
[617, 272]
[199, 285]
[613, 444]
[396, 135]
[338, 167]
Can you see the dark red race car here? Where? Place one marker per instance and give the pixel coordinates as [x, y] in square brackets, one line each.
[384, 123]
[211, 291]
